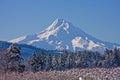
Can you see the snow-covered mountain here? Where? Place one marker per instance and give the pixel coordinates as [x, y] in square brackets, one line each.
[62, 35]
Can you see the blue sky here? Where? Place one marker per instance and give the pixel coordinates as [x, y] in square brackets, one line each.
[99, 18]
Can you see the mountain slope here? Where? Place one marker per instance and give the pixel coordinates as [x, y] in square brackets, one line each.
[64, 35]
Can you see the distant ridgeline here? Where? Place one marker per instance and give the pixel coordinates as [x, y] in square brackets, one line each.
[4, 44]
[26, 50]
[50, 60]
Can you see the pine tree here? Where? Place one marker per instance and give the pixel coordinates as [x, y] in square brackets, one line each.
[115, 58]
[14, 59]
[62, 60]
[107, 57]
[41, 60]
[70, 62]
[85, 59]
[32, 62]
[54, 62]
[48, 63]
[78, 59]
[97, 60]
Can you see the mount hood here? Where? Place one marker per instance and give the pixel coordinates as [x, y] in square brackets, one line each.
[63, 35]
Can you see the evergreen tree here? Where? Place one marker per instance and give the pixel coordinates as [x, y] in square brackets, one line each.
[54, 62]
[115, 58]
[107, 57]
[32, 62]
[78, 59]
[14, 59]
[97, 60]
[85, 59]
[48, 63]
[61, 62]
[41, 60]
[70, 62]
[65, 55]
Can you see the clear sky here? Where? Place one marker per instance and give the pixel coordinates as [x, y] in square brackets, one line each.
[99, 18]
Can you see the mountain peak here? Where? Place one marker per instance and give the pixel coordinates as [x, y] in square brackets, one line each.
[59, 23]
[59, 20]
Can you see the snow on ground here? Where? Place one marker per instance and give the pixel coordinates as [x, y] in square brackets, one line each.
[72, 74]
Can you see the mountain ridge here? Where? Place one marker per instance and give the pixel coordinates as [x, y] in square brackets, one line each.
[63, 35]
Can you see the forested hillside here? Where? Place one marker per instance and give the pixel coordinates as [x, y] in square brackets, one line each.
[45, 61]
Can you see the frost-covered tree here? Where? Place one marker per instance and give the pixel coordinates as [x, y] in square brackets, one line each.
[107, 58]
[86, 59]
[81, 59]
[32, 62]
[48, 62]
[70, 62]
[54, 62]
[41, 60]
[14, 59]
[60, 62]
[115, 58]
[78, 60]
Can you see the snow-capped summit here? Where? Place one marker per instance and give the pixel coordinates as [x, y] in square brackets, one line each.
[61, 35]
[57, 23]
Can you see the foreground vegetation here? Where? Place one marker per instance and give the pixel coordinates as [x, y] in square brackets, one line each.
[72, 74]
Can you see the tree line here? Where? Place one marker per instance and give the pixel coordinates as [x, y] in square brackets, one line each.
[66, 60]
